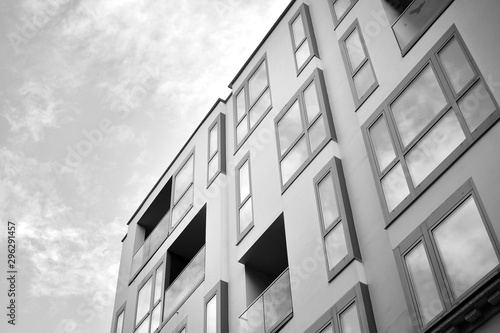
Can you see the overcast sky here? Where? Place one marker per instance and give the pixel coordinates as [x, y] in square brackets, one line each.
[96, 98]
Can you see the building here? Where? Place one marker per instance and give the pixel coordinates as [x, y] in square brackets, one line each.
[350, 183]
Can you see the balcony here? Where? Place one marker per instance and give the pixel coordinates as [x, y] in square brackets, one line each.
[184, 285]
[151, 245]
[415, 20]
[271, 310]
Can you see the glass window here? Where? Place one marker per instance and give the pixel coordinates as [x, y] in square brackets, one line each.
[358, 64]
[340, 8]
[448, 256]
[303, 40]
[119, 322]
[211, 315]
[183, 191]
[438, 111]
[302, 128]
[143, 301]
[328, 201]
[216, 148]
[249, 112]
[149, 302]
[349, 320]
[336, 247]
[244, 197]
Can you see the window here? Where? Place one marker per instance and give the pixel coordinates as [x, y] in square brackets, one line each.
[182, 327]
[216, 148]
[303, 40]
[337, 227]
[303, 128]
[216, 309]
[183, 191]
[358, 65]
[435, 114]
[351, 314]
[447, 257]
[120, 320]
[244, 202]
[148, 313]
[411, 19]
[251, 103]
[340, 9]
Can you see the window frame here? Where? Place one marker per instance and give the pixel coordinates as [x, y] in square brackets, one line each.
[152, 304]
[423, 235]
[119, 312]
[244, 87]
[220, 290]
[358, 295]
[182, 326]
[318, 79]
[452, 100]
[309, 38]
[239, 202]
[334, 167]
[220, 123]
[351, 73]
[173, 224]
[336, 21]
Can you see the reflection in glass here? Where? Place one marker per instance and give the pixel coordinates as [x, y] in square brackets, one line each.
[382, 143]
[246, 215]
[465, 248]
[336, 247]
[302, 54]
[144, 328]
[244, 174]
[158, 283]
[317, 134]
[277, 301]
[213, 142]
[241, 130]
[395, 187]
[476, 106]
[184, 178]
[182, 206]
[158, 235]
[257, 83]
[418, 105]
[311, 102]
[156, 317]
[240, 104]
[252, 321]
[119, 323]
[298, 30]
[355, 50]
[184, 284]
[293, 160]
[211, 318]
[349, 320]
[423, 283]
[289, 127]
[456, 65]
[259, 108]
[434, 147]
[364, 79]
[340, 7]
[143, 301]
[328, 201]
[213, 166]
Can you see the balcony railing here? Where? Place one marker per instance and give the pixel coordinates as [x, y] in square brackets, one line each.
[415, 20]
[151, 244]
[185, 284]
[271, 310]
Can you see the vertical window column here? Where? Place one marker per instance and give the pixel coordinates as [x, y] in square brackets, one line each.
[183, 191]
[149, 303]
[216, 148]
[120, 320]
[216, 309]
[340, 9]
[303, 39]
[244, 197]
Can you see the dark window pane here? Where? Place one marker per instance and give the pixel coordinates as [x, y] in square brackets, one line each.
[418, 105]
[290, 127]
[476, 106]
[465, 248]
[424, 286]
[395, 187]
[382, 143]
[456, 65]
[434, 147]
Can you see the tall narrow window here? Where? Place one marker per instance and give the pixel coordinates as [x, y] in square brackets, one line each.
[358, 65]
[251, 103]
[183, 191]
[337, 227]
[216, 309]
[433, 116]
[120, 320]
[448, 257]
[340, 9]
[216, 148]
[244, 197]
[303, 128]
[149, 302]
[303, 39]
